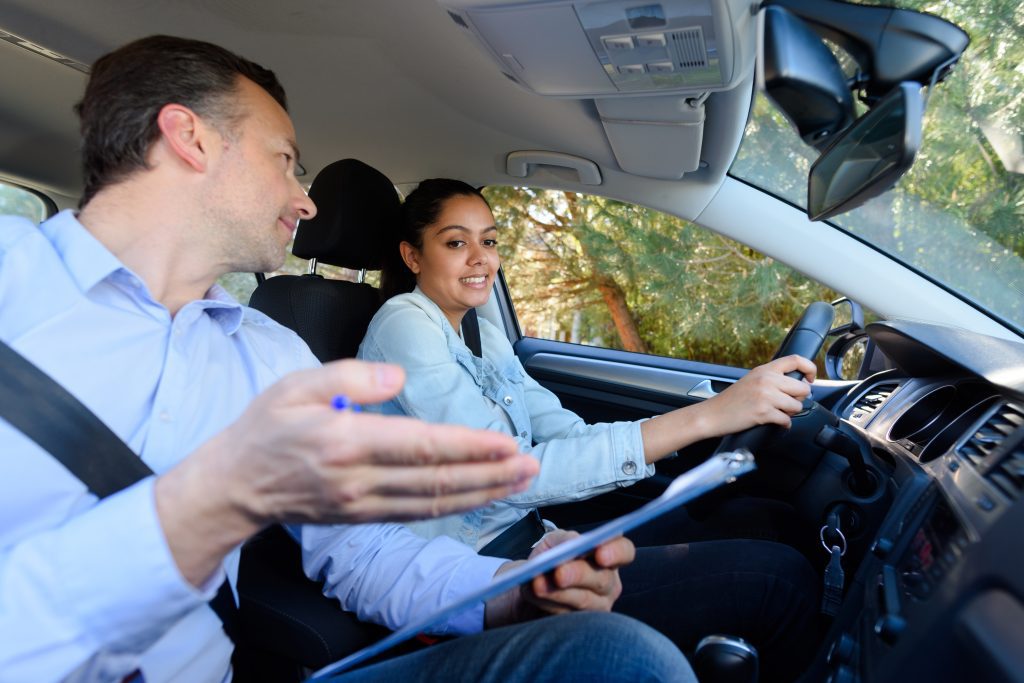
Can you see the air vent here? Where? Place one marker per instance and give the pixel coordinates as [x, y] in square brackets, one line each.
[870, 402]
[996, 449]
[689, 48]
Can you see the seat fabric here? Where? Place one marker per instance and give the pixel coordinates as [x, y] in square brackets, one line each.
[356, 207]
[288, 624]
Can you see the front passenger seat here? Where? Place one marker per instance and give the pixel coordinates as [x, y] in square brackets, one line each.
[288, 626]
[356, 208]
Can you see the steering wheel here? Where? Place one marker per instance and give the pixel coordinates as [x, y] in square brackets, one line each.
[805, 339]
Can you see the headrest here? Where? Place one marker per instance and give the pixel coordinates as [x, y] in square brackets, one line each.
[356, 207]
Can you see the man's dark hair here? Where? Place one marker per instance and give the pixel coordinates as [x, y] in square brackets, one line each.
[419, 210]
[129, 86]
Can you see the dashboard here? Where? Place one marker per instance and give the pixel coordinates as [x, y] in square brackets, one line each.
[939, 591]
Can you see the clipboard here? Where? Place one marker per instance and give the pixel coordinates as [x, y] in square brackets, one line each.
[719, 469]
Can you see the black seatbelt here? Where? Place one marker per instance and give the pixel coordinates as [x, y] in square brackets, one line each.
[471, 332]
[44, 411]
[517, 541]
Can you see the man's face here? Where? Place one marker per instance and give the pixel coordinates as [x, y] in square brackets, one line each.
[257, 199]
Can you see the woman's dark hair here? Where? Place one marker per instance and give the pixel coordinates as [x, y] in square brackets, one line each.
[420, 209]
[129, 86]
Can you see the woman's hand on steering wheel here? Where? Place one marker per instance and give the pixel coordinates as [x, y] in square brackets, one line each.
[764, 396]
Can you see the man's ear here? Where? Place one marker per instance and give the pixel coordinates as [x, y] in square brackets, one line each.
[411, 256]
[187, 138]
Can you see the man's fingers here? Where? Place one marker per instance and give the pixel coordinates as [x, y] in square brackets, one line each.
[615, 553]
[374, 508]
[448, 479]
[577, 585]
[360, 381]
[570, 600]
[389, 440]
[551, 539]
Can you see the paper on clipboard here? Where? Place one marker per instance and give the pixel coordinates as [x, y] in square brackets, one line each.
[722, 468]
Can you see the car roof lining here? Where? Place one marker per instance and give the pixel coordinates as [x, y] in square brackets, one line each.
[398, 86]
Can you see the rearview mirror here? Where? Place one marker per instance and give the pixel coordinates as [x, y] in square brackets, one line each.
[868, 157]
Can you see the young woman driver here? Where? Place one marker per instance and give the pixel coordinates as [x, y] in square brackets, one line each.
[443, 262]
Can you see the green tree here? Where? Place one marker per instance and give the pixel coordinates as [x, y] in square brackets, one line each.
[15, 201]
[586, 268]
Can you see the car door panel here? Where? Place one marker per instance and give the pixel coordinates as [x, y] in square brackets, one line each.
[605, 385]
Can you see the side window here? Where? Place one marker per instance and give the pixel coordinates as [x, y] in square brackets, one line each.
[17, 201]
[596, 271]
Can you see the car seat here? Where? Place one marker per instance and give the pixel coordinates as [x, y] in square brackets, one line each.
[288, 626]
[356, 205]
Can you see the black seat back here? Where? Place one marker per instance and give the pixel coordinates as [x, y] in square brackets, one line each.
[356, 205]
[288, 625]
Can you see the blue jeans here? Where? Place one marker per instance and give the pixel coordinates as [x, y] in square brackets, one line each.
[582, 646]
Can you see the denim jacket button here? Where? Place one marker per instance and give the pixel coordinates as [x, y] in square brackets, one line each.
[629, 467]
[507, 400]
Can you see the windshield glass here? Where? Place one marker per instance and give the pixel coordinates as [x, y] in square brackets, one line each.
[958, 215]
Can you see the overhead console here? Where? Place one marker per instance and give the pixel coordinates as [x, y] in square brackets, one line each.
[612, 48]
[649, 66]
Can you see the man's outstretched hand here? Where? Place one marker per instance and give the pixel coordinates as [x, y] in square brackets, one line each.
[293, 457]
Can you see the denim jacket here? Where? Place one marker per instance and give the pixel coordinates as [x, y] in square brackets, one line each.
[446, 383]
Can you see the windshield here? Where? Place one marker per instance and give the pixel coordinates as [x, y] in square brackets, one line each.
[957, 215]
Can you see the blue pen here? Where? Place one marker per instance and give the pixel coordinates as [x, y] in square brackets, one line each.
[341, 402]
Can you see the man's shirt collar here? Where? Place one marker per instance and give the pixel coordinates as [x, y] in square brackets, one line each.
[89, 262]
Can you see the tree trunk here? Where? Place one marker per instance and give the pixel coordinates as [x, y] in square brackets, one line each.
[615, 300]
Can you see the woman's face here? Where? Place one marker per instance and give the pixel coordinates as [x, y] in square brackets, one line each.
[459, 259]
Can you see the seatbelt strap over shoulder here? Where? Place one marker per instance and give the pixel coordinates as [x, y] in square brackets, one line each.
[47, 413]
[471, 332]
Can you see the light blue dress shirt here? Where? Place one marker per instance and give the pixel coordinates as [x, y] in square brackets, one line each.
[447, 383]
[89, 590]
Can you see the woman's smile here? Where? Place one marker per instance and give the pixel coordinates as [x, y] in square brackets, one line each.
[459, 258]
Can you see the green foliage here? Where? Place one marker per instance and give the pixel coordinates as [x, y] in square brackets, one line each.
[15, 201]
[690, 293]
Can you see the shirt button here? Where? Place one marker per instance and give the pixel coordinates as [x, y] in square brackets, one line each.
[165, 416]
[522, 435]
[507, 400]
[629, 467]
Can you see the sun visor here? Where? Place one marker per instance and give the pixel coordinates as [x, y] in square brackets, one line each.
[612, 48]
[655, 137]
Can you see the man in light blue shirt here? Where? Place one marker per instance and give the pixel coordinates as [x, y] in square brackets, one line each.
[118, 304]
